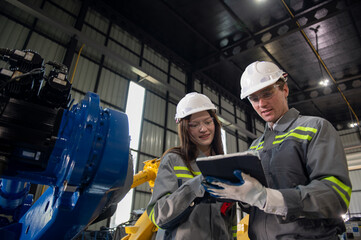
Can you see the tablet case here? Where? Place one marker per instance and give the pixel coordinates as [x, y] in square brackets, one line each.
[222, 166]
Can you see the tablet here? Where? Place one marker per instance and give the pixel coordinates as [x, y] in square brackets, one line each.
[222, 166]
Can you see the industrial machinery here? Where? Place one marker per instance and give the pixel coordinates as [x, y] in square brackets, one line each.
[81, 153]
[143, 229]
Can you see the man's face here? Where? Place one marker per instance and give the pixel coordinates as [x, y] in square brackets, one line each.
[270, 102]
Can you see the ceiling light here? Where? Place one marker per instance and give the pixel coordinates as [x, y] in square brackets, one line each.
[352, 125]
[324, 82]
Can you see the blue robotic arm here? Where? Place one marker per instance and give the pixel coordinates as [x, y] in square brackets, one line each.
[81, 153]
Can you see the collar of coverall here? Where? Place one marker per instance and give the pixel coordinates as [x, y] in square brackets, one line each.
[284, 122]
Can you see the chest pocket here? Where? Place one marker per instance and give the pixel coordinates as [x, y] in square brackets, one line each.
[285, 159]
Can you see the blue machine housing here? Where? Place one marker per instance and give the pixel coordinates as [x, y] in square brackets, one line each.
[89, 169]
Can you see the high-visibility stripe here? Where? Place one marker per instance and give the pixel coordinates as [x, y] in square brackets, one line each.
[305, 129]
[258, 146]
[234, 231]
[296, 135]
[151, 217]
[182, 168]
[343, 187]
[291, 133]
[184, 175]
[342, 196]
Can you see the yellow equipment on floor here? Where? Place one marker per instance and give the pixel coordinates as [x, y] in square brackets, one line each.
[242, 228]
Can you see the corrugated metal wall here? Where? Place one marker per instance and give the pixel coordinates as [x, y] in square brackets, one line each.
[355, 205]
[351, 140]
[352, 144]
[99, 72]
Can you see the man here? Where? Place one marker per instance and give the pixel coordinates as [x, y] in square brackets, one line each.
[304, 163]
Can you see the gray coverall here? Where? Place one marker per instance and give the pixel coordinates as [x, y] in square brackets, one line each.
[304, 159]
[178, 208]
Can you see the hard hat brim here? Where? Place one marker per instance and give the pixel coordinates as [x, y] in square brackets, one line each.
[258, 87]
[178, 116]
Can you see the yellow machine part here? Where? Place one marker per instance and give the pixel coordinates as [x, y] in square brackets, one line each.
[242, 228]
[144, 228]
[148, 174]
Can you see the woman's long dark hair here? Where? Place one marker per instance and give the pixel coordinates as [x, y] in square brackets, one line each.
[188, 150]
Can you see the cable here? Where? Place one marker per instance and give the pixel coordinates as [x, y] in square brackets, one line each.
[322, 62]
[32, 72]
[316, 34]
[76, 64]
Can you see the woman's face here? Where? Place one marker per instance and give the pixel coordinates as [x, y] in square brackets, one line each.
[201, 130]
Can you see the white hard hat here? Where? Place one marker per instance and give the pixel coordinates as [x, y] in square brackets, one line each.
[259, 75]
[192, 103]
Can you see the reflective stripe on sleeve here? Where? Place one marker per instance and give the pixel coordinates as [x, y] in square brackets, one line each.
[151, 217]
[259, 146]
[343, 186]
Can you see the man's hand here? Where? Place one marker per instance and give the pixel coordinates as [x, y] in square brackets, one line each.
[247, 190]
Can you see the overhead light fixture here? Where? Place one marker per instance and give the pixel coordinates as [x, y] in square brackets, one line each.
[353, 124]
[324, 82]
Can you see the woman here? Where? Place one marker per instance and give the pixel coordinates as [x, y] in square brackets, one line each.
[179, 206]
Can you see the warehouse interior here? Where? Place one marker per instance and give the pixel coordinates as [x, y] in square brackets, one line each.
[165, 49]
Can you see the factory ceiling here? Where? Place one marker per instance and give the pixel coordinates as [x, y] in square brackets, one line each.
[311, 40]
